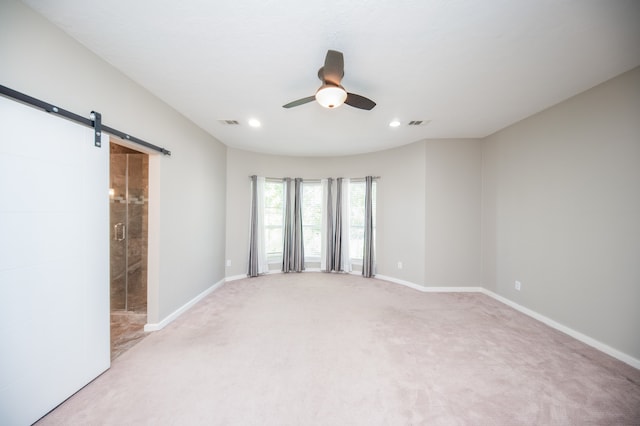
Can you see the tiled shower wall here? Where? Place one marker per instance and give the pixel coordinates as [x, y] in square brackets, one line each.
[129, 182]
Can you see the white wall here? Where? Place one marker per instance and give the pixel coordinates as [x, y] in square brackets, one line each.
[438, 249]
[561, 213]
[42, 61]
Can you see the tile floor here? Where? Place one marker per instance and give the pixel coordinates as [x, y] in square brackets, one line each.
[127, 329]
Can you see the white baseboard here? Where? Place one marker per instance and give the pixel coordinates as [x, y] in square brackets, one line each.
[270, 272]
[471, 289]
[181, 310]
[235, 277]
[567, 330]
[533, 314]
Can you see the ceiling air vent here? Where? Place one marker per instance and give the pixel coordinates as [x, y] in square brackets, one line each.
[229, 122]
[419, 122]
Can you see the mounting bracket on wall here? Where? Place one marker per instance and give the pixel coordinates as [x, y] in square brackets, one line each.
[97, 128]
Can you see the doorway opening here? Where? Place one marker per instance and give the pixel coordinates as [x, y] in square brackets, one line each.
[129, 242]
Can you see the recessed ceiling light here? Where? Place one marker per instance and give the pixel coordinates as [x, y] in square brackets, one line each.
[254, 123]
[394, 123]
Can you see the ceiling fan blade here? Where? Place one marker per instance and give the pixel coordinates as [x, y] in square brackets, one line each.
[333, 69]
[358, 101]
[300, 102]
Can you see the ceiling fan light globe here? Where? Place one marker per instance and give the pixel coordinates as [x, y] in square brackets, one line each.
[331, 96]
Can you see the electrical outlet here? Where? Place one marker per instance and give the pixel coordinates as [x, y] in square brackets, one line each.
[228, 262]
[399, 265]
[518, 285]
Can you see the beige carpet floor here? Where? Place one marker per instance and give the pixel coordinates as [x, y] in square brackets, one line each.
[327, 349]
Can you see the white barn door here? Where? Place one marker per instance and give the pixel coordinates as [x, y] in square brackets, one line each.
[54, 261]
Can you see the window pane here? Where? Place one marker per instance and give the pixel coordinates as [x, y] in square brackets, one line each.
[273, 242]
[356, 218]
[311, 219]
[273, 217]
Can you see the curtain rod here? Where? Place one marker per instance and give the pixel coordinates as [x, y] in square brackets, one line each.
[310, 180]
[94, 122]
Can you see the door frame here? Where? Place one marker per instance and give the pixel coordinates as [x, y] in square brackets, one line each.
[153, 238]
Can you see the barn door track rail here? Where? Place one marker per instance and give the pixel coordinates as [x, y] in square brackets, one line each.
[95, 120]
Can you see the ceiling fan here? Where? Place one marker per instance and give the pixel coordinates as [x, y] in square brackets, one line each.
[331, 94]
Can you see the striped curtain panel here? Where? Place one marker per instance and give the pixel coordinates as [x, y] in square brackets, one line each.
[293, 250]
[368, 258]
[298, 240]
[253, 231]
[326, 255]
[257, 253]
[337, 236]
[287, 229]
[341, 256]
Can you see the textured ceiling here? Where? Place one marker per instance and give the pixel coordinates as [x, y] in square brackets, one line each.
[470, 67]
